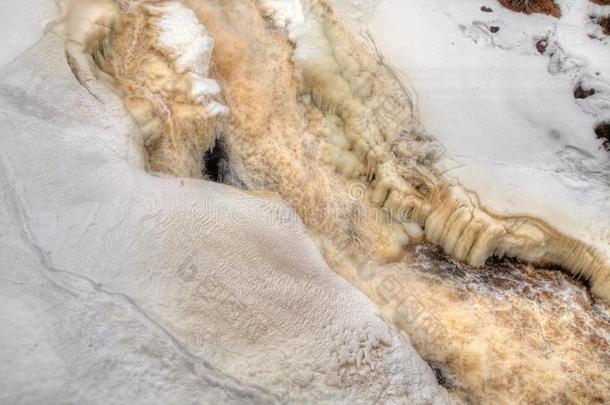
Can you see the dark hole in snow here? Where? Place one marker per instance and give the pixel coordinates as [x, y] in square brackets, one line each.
[442, 379]
[541, 45]
[494, 29]
[217, 166]
[579, 92]
[486, 9]
[216, 162]
[603, 132]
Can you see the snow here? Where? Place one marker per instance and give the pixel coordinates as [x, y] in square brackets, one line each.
[285, 13]
[304, 30]
[118, 286]
[215, 109]
[182, 35]
[22, 23]
[204, 87]
[190, 48]
[506, 114]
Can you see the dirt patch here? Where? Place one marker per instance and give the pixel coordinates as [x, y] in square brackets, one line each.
[486, 9]
[533, 6]
[602, 2]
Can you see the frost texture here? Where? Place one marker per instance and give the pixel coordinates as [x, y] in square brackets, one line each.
[318, 120]
[120, 286]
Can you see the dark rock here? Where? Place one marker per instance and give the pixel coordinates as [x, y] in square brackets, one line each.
[603, 132]
[541, 45]
[579, 92]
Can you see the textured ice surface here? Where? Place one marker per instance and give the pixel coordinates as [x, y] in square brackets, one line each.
[156, 303]
[23, 22]
[119, 286]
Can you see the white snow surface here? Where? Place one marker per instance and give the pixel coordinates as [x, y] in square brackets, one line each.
[216, 109]
[22, 23]
[204, 87]
[117, 286]
[285, 13]
[183, 35]
[190, 47]
[513, 131]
